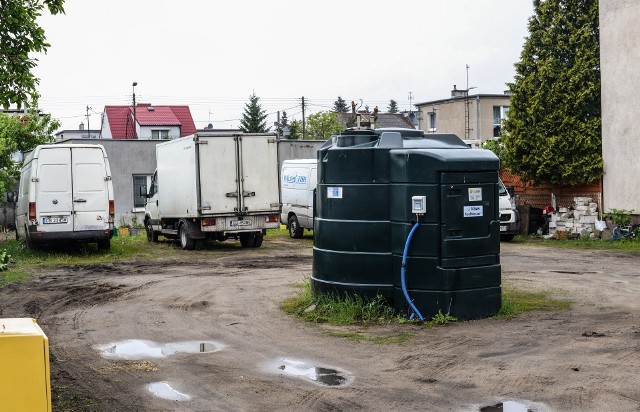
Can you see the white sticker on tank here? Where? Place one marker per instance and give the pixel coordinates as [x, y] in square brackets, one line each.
[475, 194]
[334, 192]
[472, 211]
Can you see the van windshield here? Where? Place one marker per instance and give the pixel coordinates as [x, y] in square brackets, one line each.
[502, 191]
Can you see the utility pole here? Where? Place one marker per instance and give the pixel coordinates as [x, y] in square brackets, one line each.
[88, 126]
[467, 104]
[304, 122]
[134, 108]
[410, 105]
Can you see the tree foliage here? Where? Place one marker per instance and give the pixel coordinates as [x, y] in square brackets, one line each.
[496, 146]
[19, 135]
[21, 35]
[323, 125]
[393, 106]
[340, 106]
[553, 132]
[295, 129]
[253, 118]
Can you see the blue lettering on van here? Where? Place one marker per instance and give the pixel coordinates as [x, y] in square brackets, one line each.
[302, 179]
[289, 178]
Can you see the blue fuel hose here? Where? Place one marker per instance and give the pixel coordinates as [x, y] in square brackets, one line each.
[403, 274]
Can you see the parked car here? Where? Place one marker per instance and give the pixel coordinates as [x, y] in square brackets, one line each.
[509, 216]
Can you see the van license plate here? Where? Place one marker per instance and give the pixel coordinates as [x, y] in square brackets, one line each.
[241, 223]
[55, 219]
[503, 228]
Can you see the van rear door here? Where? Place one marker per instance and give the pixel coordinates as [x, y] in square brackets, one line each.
[90, 189]
[54, 201]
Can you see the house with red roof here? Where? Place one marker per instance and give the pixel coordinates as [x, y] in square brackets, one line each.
[146, 122]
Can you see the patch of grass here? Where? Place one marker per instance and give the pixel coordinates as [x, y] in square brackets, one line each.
[12, 276]
[337, 310]
[622, 245]
[401, 337]
[441, 319]
[76, 403]
[516, 301]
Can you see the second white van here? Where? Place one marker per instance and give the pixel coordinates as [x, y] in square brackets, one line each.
[65, 194]
[298, 179]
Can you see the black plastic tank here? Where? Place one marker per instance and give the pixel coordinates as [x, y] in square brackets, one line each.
[366, 180]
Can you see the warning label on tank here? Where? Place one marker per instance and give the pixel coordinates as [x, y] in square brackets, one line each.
[475, 194]
[472, 211]
[334, 192]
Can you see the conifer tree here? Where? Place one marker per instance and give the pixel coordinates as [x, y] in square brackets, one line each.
[553, 130]
[393, 106]
[253, 118]
[340, 106]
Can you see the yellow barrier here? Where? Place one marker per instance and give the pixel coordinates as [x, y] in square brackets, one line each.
[24, 367]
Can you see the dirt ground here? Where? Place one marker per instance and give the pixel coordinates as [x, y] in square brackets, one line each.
[586, 358]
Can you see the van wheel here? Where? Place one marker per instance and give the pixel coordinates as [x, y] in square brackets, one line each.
[151, 235]
[247, 239]
[186, 242]
[257, 241]
[104, 245]
[295, 231]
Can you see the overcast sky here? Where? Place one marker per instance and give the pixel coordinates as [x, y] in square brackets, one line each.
[211, 55]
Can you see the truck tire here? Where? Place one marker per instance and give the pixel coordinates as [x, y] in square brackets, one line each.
[247, 239]
[104, 245]
[151, 235]
[186, 242]
[257, 241]
[295, 231]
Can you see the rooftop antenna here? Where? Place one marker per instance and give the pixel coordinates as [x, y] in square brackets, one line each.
[410, 105]
[467, 103]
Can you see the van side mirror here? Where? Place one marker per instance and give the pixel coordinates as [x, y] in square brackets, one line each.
[11, 197]
[511, 190]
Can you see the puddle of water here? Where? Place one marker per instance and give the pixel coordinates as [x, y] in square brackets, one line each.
[165, 391]
[135, 349]
[323, 376]
[507, 406]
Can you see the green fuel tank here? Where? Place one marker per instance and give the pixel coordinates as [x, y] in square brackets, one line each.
[366, 182]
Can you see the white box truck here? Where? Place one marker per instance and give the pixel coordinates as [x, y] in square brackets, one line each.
[214, 186]
[65, 194]
[298, 180]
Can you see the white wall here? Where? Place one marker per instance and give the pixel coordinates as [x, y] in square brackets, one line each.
[619, 57]
[144, 132]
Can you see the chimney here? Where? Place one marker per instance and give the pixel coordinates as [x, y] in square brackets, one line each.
[457, 93]
[81, 127]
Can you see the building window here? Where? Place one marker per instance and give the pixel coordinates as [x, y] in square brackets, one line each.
[159, 134]
[500, 113]
[431, 119]
[140, 181]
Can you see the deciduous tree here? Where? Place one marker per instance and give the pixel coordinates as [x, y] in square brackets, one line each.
[20, 35]
[19, 135]
[323, 125]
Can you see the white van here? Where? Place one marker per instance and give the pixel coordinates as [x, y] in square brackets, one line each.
[298, 180]
[65, 193]
[509, 216]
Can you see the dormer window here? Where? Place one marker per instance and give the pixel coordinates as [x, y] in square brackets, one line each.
[159, 134]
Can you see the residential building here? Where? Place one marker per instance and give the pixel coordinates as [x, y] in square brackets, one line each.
[146, 122]
[383, 120]
[79, 133]
[619, 54]
[474, 118]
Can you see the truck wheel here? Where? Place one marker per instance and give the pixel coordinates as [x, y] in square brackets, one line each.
[257, 241]
[104, 245]
[186, 242]
[247, 239]
[151, 235]
[295, 231]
